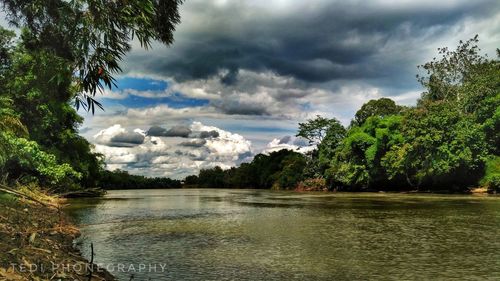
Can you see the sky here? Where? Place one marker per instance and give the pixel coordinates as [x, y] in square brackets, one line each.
[242, 74]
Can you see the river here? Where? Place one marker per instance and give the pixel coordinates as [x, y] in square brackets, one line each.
[217, 234]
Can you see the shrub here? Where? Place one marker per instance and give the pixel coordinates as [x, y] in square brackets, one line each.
[316, 184]
[491, 179]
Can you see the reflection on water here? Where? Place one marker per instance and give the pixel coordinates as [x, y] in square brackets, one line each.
[266, 235]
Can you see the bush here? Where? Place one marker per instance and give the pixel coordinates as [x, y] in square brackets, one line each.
[491, 179]
[316, 184]
[494, 184]
[35, 164]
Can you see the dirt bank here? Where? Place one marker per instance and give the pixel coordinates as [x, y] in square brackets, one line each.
[36, 243]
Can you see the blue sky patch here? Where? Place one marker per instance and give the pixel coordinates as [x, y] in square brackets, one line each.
[140, 84]
[175, 100]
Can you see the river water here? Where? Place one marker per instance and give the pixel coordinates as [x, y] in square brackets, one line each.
[217, 234]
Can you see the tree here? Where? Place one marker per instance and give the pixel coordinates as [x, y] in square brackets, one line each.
[43, 102]
[481, 99]
[68, 51]
[444, 76]
[211, 178]
[357, 162]
[290, 172]
[326, 134]
[93, 36]
[314, 130]
[191, 180]
[381, 107]
[6, 48]
[119, 179]
[442, 148]
[26, 156]
[335, 134]
[280, 169]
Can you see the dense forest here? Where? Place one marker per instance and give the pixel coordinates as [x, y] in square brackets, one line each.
[449, 141]
[62, 54]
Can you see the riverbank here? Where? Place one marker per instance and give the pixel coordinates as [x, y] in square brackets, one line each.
[36, 243]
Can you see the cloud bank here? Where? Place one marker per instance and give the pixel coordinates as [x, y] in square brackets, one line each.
[168, 156]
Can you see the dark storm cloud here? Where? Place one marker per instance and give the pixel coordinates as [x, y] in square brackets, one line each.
[126, 139]
[300, 141]
[209, 134]
[178, 131]
[156, 131]
[334, 40]
[285, 139]
[237, 107]
[175, 131]
[194, 143]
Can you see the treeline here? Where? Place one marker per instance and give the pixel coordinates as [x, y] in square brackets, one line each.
[278, 170]
[66, 53]
[119, 179]
[449, 141]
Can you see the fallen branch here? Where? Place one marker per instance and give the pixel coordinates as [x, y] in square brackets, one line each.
[17, 193]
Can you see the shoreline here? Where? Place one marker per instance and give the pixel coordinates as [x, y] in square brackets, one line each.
[471, 191]
[37, 243]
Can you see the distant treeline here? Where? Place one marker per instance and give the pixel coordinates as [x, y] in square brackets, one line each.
[449, 141]
[280, 170]
[119, 179]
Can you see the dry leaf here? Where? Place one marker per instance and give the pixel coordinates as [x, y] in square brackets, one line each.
[32, 237]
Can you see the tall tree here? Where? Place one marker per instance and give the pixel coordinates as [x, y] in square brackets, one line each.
[93, 35]
[381, 107]
[314, 130]
[69, 51]
[444, 75]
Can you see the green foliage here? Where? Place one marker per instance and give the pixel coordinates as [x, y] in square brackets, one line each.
[491, 178]
[442, 148]
[27, 155]
[314, 184]
[10, 127]
[327, 134]
[358, 161]
[447, 142]
[441, 144]
[281, 170]
[213, 178]
[119, 179]
[68, 50]
[481, 99]
[314, 130]
[381, 107]
[6, 43]
[444, 76]
[290, 171]
[328, 146]
[44, 102]
[191, 180]
[93, 36]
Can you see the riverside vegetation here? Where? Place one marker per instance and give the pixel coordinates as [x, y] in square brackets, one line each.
[62, 54]
[448, 142]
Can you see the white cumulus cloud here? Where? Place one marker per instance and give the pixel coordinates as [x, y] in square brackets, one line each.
[172, 157]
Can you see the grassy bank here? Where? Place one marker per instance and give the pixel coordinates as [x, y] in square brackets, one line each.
[36, 242]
